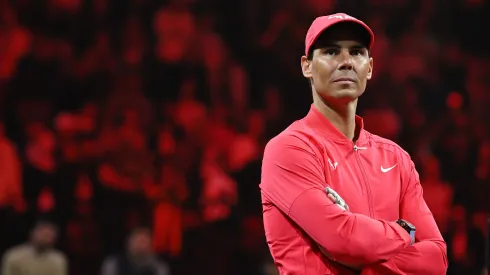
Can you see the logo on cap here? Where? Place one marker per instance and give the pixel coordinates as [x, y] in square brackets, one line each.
[341, 17]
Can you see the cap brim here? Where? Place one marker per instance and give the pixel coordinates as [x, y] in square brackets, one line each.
[369, 35]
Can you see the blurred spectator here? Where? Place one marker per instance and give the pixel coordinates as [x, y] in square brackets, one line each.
[169, 195]
[138, 258]
[134, 43]
[122, 113]
[246, 147]
[383, 121]
[219, 191]
[189, 113]
[123, 173]
[11, 196]
[15, 38]
[481, 187]
[253, 255]
[437, 194]
[127, 99]
[37, 257]
[40, 169]
[174, 29]
[83, 238]
[465, 245]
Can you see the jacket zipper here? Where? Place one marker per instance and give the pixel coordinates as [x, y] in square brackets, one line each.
[366, 182]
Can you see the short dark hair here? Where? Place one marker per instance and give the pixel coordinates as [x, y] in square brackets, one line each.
[140, 230]
[310, 53]
[44, 222]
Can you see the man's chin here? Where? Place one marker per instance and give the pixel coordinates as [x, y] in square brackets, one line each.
[341, 97]
[42, 248]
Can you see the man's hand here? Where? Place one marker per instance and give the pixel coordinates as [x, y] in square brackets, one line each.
[338, 200]
[408, 227]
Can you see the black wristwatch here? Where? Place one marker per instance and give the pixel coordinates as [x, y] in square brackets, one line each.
[410, 228]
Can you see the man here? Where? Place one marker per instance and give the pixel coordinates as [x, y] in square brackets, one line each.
[38, 256]
[139, 259]
[308, 228]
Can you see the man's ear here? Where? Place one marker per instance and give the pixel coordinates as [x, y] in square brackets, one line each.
[306, 66]
[370, 72]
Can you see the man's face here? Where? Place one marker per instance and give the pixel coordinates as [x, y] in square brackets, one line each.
[140, 244]
[340, 66]
[44, 236]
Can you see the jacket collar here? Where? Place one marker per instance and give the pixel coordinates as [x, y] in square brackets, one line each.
[317, 121]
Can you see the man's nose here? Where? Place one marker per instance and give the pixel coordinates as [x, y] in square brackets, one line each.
[345, 60]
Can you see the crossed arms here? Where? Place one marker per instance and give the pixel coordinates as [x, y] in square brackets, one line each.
[292, 179]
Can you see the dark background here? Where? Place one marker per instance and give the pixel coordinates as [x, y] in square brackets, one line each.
[107, 103]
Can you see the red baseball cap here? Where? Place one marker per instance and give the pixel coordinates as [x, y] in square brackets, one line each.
[320, 24]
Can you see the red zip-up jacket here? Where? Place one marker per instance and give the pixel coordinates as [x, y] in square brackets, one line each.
[378, 181]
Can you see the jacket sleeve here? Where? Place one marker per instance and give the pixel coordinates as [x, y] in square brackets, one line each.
[428, 254]
[293, 180]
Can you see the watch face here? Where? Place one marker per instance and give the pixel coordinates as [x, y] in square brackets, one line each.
[409, 225]
[406, 225]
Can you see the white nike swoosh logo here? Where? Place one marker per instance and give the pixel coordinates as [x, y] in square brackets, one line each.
[384, 170]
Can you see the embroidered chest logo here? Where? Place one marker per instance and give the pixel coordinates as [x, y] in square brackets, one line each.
[384, 170]
[332, 164]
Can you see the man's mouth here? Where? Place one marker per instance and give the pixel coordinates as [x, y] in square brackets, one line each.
[345, 79]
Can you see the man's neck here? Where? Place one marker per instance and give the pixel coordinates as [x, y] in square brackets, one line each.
[343, 117]
[39, 249]
[140, 260]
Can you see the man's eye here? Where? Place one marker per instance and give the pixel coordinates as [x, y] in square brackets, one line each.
[330, 51]
[357, 52]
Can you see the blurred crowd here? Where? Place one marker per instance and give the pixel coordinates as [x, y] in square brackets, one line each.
[136, 127]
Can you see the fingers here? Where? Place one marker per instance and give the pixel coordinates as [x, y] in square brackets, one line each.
[335, 198]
